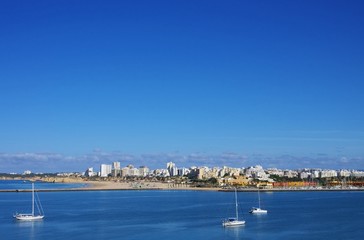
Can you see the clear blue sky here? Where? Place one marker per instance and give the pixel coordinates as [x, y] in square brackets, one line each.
[278, 83]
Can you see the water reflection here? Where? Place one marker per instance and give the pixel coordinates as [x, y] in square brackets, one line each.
[235, 233]
[29, 228]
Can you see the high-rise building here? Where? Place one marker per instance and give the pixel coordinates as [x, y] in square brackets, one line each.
[105, 170]
[116, 172]
[183, 171]
[116, 165]
[172, 169]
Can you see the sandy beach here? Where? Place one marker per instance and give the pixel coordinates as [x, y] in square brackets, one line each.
[142, 185]
[88, 185]
[114, 185]
[109, 186]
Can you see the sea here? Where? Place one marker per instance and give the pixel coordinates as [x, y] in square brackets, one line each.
[178, 214]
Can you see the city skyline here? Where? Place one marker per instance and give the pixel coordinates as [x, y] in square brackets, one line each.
[250, 173]
[204, 83]
[53, 163]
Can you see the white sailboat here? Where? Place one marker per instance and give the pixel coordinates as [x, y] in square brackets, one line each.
[258, 210]
[31, 216]
[234, 221]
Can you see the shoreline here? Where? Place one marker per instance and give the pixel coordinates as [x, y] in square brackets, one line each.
[176, 189]
[159, 186]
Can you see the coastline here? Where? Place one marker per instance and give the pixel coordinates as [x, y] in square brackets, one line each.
[143, 185]
[110, 186]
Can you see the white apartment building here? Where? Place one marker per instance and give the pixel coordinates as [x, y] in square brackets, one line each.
[344, 173]
[143, 171]
[356, 173]
[130, 170]
[256, 172]
[105, 170]
[315, 173]
[304, 175]
[116, 165]
[328, 173]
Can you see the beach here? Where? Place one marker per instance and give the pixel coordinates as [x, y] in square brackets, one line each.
[109, 185]
[79, 184]
[89, 185]
[99, 186]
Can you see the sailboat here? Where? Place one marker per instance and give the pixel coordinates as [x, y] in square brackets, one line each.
[233, 221]
[258, 210]
[31, 216]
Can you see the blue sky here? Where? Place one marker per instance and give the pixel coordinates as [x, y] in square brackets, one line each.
[278, 83]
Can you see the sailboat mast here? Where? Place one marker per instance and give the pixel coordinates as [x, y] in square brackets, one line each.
[236, 205]
[258, 197]
[32, 199]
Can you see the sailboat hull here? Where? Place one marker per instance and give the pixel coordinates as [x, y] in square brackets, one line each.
[258, 211]
[232, 223]
[28, 217]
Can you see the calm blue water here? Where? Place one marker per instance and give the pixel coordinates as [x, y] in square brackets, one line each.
[184, 215]
[17, 184]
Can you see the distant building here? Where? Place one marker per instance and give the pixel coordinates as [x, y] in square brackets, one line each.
[116, 172]
[257, 172]
[105, 170]
[134, 172]
[27, 172]
[116, 165]
[172, 169]
[143, 171]
[304, 175]
[275, 171]
[315, 173]
[328, 174]
[183, 171]
[203, 173]
[130, 170]
[240, 180]
[358, 174]
[344, 173]
[90, 172]
[290, 174]
[161, 173]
